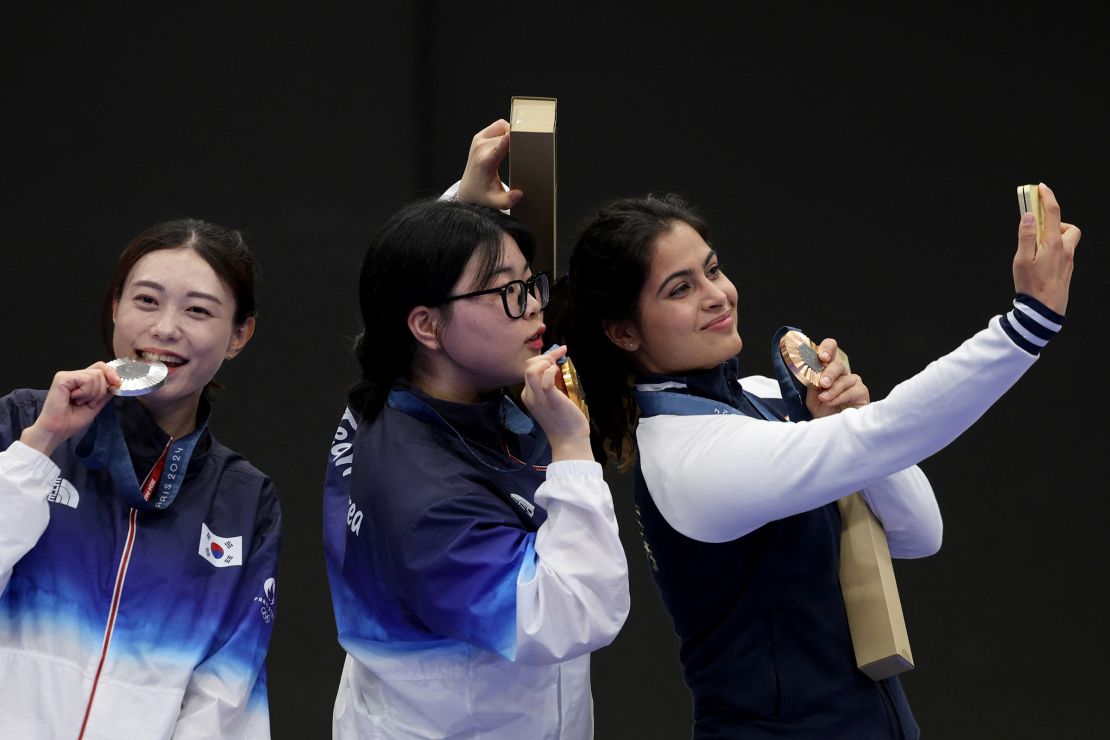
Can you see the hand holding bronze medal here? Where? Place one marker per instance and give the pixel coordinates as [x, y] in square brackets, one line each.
[138, 377]
[801, 356]
[871, 601]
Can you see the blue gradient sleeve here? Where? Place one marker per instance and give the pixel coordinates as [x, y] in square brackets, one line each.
[460, 565]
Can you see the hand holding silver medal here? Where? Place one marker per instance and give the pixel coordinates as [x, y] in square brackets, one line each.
[138, 377]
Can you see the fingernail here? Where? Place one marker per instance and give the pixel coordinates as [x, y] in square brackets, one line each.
[551, 349]
[825, 356]
[1027, 219]
[826, 381]
[823, 396]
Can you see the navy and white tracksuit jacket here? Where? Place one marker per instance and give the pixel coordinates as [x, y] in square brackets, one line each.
[121, 621]
[743, 535]
[469, 587]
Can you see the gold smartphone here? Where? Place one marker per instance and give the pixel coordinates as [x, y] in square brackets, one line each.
[1029, 201]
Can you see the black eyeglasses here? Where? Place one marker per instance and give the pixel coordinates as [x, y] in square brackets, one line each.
[514, 294]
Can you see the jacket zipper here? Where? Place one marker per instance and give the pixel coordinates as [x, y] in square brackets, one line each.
[117, 592]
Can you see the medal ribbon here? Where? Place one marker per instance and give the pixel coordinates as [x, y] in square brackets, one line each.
[152, 478]
[104, 447]
[656, 403]
[512, 418]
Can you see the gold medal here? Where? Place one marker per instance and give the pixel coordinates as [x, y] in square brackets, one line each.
[571, 386]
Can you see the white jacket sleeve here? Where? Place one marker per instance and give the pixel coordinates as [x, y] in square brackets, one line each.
[906, 507]
[26, 477]
[452, 193]
[575, 598]
[716, 478]
[903, 502]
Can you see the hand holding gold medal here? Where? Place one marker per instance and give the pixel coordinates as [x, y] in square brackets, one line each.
[567, 380]
[568, 384]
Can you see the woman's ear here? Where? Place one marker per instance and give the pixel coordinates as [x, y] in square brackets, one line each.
[424, 324]
[624, 334]
[239, 338]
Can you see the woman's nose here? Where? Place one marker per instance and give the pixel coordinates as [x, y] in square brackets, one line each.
[534, 304]
[167, 326]
[714, 296]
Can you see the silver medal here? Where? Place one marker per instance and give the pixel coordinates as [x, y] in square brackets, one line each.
[138, 377]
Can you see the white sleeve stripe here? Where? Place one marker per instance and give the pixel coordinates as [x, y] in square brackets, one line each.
[1015, 325]
[1030, 313]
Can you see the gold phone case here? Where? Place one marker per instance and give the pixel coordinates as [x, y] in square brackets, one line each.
[1029, 201]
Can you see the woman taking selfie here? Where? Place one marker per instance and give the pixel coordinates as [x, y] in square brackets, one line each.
[472, 548]
[137, 553]
[738, 508]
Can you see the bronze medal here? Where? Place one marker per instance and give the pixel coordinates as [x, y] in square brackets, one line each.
[800, 354]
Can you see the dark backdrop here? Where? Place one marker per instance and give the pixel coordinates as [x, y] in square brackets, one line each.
[858, 169]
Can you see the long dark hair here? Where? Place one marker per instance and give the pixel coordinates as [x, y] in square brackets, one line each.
[415, 259]
[610, 262]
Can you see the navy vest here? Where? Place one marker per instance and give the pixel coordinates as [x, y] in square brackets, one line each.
[764, 641]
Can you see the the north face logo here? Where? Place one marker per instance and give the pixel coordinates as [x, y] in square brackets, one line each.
[63, 492]
[522, 502]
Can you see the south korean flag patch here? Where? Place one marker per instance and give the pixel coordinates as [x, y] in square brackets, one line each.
[222, 552]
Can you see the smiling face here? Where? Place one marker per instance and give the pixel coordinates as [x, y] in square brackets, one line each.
[479, 349]
[686, 312]
[174, 309]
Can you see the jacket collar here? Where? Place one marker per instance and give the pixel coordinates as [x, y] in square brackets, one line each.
[721, 383]
[146, 440]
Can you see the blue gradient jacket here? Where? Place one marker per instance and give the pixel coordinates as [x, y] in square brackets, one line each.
[468, 597]
[120, 622]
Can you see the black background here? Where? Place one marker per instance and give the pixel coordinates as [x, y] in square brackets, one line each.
[858, 169]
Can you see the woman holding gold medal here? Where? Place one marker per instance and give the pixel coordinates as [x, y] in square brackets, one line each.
[737, 507]
[137, 553]
[472, 548]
